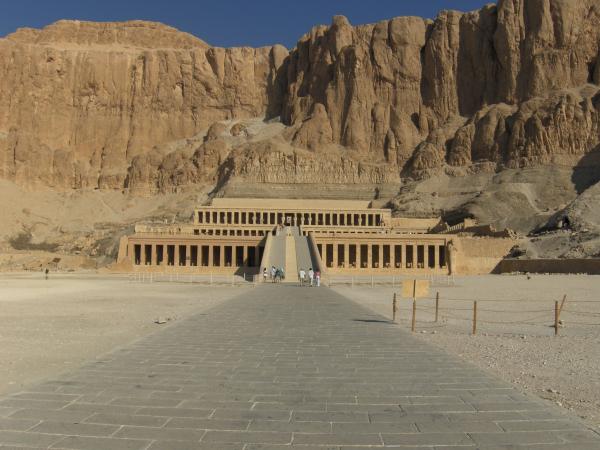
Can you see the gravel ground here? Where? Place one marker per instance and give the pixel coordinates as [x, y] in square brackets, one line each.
[515, 334]
[52, 326]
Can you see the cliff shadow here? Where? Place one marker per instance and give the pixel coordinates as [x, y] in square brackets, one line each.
[587, 171]
[477, 69]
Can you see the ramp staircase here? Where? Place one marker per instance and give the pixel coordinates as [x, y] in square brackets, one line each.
[288, 249]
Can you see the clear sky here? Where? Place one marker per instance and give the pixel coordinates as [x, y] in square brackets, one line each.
[224, 23]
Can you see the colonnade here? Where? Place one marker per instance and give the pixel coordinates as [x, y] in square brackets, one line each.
[295, 218]
[365, 255]
[195, 255]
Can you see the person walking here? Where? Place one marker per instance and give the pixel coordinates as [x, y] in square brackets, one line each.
[311, 276]
[273, 273]
[265, 275]
[301, 276]
[318, 278]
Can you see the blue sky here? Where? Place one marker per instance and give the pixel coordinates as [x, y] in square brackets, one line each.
[224, 23]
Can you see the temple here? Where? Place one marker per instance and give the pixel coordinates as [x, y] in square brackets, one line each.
[334, 236]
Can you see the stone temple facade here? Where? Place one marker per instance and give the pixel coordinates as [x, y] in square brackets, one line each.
[334, 236]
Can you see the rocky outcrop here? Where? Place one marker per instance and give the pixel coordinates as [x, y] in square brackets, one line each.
[80, 101]
[125, 105]
[389, 88]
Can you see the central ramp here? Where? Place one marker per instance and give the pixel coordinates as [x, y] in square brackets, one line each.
[289, 250]
[282, 367]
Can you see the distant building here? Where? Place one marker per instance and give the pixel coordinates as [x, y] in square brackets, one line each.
[335, 236]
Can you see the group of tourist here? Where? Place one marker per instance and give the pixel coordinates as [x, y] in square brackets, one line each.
[310, 278]
[277, 275]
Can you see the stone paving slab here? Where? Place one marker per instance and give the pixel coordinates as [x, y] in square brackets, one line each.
[283, 367]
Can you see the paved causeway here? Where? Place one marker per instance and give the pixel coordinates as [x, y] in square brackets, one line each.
[280, 367]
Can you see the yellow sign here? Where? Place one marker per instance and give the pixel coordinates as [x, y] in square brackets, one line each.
[415, 288]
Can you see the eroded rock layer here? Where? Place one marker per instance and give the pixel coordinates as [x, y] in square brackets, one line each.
[81, 100]
[127, 105]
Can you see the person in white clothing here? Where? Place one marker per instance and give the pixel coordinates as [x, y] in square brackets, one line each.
[273, 273]
[302, 276]
[318, 278]
[311, 276]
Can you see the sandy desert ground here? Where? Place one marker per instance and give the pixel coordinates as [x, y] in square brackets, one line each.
[515, 337]
[51, 326]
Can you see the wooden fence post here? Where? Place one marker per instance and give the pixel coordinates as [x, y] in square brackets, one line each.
[562, 305]
[556, 314]
[414, 316]
[437, 306]
[474, 317]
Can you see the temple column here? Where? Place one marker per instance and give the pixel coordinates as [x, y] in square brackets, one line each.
[210, 256]
[153, 256]
[176, 255]
[245, 257]
[222, 255]
[437, 256]
[324, 255]
[370, 256]
[188, 255]
[403, 255]
[346, 255]
[335, 255]
[415, 251]
[392, 256]
[425, 256]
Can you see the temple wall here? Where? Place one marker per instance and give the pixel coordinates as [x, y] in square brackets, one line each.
[479, 256]
[565, 266]
[230, 237]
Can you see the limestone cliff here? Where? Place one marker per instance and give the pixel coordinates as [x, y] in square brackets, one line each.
[492, 85]
[81, 100]
[126, 105]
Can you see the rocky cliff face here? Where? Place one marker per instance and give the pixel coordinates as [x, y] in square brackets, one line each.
[125, 105]
[81, 100]
[492, 85]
